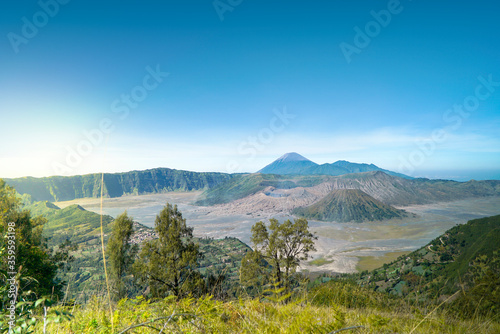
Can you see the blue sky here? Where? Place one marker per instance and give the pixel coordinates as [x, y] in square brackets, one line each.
[419, 95]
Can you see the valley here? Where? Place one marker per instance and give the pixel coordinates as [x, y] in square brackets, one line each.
[340, 246]
[374, 230]
[362, 214]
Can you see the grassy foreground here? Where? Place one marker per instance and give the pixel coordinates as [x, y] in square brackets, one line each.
[206, 315]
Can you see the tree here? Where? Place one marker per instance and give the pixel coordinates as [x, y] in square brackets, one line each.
[21, 236]
[216, 284]
[28, 268]
[168, 264]
[254, 272]
[121, 253]
[282, 246]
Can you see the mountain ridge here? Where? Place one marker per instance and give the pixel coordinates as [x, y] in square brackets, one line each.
[278, 194]
[294, 163]
[312, 180]
[156, 180]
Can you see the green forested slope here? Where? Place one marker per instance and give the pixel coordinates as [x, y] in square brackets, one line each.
[73, 222]
[455, 260]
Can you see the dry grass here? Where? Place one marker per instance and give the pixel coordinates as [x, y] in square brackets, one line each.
[206, 315]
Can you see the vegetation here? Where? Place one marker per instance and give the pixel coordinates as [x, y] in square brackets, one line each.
[168, 264]
[282, 246]
[71, 223]
[483, 295]
[85, 276]
[28, 268]
[121, 253]
[463, 261]
[29, 256]
[320, 311]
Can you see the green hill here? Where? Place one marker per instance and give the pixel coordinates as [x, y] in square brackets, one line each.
[345, 205]
[73, 222]
[447, 264]
[158, 180]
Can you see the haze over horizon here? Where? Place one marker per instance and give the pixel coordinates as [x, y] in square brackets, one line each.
[410, 86]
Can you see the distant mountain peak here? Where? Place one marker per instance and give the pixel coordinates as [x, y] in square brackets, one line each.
[290, 163]
[294, 163]
[291, 156]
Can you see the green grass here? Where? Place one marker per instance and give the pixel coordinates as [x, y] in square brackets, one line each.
[206, 315]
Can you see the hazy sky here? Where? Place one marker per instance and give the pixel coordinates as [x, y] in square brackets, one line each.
[230, 85]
